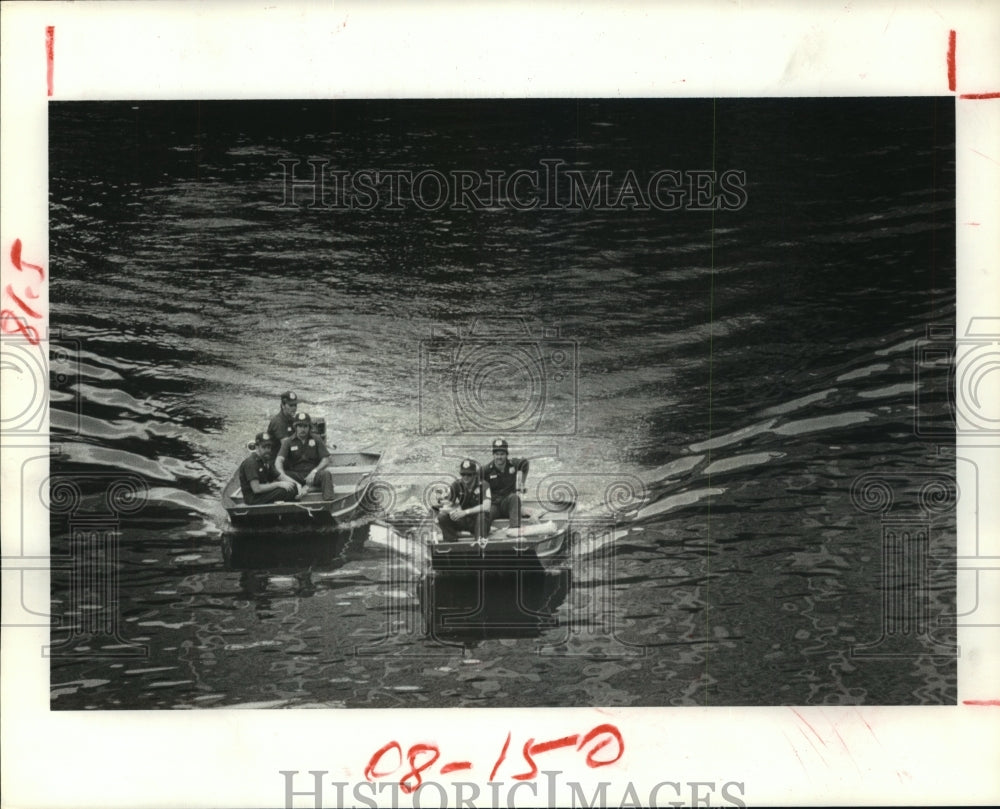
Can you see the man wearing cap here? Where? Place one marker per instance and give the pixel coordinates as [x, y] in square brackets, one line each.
[282, 425]
[258, 478]
[506, 477]
[303, 459]
[467, 507]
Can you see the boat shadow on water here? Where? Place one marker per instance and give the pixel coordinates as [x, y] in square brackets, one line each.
[467, 606]
[293, 550]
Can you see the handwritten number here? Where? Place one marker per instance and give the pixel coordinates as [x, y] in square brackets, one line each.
[30, 332]
[416, 770]
[373, 762]
[22, 304]
[15, 257]
[600, 730]
[10, 321]
[531, 750]
[503, 755]
[526, 752]
[605, 740]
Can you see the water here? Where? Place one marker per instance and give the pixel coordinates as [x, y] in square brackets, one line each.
[737, 373]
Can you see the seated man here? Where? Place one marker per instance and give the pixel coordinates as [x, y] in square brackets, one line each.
[304, 458]
[506, 478]
[282, 426]
[258, 478]
[467, 507]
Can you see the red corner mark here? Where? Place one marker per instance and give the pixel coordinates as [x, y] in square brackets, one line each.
[951, 60]
[50, 54]
[952, 83]
[995, 703]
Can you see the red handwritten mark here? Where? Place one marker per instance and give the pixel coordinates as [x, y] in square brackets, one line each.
[951, 61]
[503, 755]
[871, 730]
[422, 756]
[555, 744]
[50, 54]
[813, 744]
[526, 752]
[10, 321]
[600, 730]
[803, 719]
[416, 769]
[456, 765]
[22, 304]
[530, 749]
[7, 317]
[373, 762]
[995, 703]
[15, 257]
[952, 83]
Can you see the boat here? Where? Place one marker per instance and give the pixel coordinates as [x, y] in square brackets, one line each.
[543, 538]
[353, 474]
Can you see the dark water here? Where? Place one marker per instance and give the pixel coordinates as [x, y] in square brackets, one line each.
[762, 460]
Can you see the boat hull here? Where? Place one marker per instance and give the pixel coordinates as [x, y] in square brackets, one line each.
[353, 474]
[543, 541]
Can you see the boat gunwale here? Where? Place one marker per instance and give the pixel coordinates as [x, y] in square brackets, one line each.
[241, 513]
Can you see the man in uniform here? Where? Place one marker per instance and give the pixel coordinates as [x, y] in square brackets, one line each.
[468, 505]
[303, 459]
[282, 426]
[506, 477]
[258, 478]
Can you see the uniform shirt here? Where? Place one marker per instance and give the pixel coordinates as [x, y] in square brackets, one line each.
[281, 428]
[467, 497]
[302, 457]
[255, 468]
[503, 479]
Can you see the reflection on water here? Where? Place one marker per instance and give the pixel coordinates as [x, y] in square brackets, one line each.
[738, 377]
[475, 605]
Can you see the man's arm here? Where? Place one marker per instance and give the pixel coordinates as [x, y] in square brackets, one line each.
[484, 506]
[260, 488]
[279, 462]
[520, 485]
[256, 486]
[324, 461]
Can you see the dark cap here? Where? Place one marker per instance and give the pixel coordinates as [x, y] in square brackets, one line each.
[288, 397]
[302, 418]
[468, 467]
[263, 438]
[499, 444]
